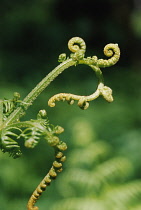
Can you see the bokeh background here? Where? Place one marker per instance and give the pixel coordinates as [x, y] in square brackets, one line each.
[103, 169]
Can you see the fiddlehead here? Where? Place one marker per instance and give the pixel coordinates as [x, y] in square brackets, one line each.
[12, 129]
[78, 47]
[83, 101]
[110, 50]
[31, 131]
[76, 44]
[59, 147]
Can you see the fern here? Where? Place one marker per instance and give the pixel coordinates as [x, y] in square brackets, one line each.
[125, 195]
[104, 185]
[80, 204]
[12, 129]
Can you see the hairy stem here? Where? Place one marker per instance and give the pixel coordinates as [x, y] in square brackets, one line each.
[28, 100]
[77, 46]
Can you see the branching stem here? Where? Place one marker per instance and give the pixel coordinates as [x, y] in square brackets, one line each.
[12, 129]
[78, 47]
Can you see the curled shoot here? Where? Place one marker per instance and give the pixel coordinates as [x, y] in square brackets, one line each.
[78, 47]
[11, 110]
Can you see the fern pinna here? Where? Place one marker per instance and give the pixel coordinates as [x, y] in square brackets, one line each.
[100, 180]
[11, 110]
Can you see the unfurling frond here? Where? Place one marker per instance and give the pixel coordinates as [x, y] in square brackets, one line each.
[77, 46]
[12, 129]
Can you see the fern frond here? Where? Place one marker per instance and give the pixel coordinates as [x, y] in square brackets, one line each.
[80, 204]
[114, 169]
[51, 175]
[128, 194]
[31, 136]
[10, 104]
[83, 182]
[11, 110]
[8, 141]
[91, 155]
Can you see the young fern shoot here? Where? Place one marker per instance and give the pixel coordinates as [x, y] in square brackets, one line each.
[12, 129]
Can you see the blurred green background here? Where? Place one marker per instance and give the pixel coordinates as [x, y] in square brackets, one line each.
[103, 170]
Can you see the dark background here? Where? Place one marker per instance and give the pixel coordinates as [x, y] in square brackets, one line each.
[32, 35]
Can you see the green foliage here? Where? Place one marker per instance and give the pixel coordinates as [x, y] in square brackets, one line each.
[32, 34]
[99, 179]
[13, 129]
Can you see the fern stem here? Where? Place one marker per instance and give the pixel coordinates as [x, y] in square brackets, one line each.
[47, 80]
[51, 175]
[77, 46]
[28, 100]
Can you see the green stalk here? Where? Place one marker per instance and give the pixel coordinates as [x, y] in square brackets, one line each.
[77, 46]
[28, 100]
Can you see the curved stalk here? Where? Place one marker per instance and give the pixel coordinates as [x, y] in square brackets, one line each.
[31, 131]
[77, 46]
[28, 100]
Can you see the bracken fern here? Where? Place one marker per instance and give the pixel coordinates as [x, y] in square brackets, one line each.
[12, 129]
